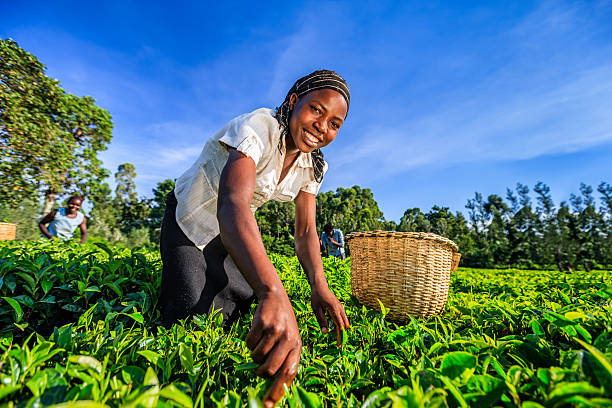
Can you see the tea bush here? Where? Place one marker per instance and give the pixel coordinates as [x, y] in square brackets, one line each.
[80, 328]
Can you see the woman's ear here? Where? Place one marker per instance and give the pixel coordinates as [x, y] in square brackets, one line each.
[292, 100]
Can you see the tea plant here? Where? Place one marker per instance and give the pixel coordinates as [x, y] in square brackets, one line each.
[79, 326]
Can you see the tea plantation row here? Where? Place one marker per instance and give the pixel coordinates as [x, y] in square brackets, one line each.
[79, 328]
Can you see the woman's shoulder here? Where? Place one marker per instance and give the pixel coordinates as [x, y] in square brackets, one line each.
[260, 114]
[253, 133]
[261, 119]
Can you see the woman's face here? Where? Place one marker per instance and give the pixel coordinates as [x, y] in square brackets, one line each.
[74, 205]
[316, 119]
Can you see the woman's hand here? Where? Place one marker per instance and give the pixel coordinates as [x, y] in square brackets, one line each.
[274, 341]
[322, 301]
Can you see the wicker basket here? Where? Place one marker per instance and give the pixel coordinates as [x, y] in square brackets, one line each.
[409, 272]
[7, 231]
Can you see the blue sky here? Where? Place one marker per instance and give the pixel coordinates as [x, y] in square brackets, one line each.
[446, 98]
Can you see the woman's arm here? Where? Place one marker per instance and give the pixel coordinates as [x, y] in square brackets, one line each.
[274, 337]
[83, 227]
[307, 251]
[42, 225]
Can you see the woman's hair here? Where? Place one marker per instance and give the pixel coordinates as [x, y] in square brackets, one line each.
[328, 228]
[75, 197]
[321, 79]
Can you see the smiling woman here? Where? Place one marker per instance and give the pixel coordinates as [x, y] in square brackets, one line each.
[212, 251]
[63, 222]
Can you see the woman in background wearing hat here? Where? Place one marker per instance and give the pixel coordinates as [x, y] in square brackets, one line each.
[64, 221]
[212, 251]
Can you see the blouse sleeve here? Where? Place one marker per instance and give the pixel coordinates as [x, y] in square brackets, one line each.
[250, 134]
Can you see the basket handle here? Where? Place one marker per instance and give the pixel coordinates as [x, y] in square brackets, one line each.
[455, 262]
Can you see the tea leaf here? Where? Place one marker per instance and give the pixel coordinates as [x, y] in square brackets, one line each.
[176, 395]
[88, 362]
[16, 307]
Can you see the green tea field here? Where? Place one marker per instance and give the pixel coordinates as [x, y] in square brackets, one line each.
[79, 328]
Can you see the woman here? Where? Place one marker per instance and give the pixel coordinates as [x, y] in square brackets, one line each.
[211, 248]
[64, 221]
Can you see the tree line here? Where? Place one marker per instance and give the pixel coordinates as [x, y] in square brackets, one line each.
[521, 230]
[49, 141]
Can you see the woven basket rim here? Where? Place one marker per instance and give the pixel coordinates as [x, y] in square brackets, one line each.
[7, 223]
[404, 235]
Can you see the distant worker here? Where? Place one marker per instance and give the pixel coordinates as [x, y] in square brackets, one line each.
[333, 240]
[64, 221]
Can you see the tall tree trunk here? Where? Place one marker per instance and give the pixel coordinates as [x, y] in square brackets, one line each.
[49, 202]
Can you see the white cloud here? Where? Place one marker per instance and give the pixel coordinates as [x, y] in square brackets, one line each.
[169, 149]
[290, 63]
[573, 117]
[548, 98]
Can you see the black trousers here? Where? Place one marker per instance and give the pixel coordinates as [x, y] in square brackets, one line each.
[194, 281]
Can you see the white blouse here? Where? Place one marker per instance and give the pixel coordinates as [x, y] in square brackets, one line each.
[257, 135]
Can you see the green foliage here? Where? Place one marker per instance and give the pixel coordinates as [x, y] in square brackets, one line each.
[78, 326]
[103, 219]
[439, 221]
[158, 208]
[496, 233]
[133, 212]
[25, 215]
[124, 219]
[49, 138]
[125, 191]
[276, 223]
[350, 209]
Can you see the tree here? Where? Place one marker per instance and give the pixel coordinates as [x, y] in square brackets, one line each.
[480, 255]
[26, 215]
[159, 208]
[105, 216]
[350, 209]
[524, 226]
[606, 198]
[49, 138]
[414, 220]
[125, 189]
[497, 230]
[276, 223]
[605, 218]
[588, 221]
[567, 247]
[547, 244]
[134, 212]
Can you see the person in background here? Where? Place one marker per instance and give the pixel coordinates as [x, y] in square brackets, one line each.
[64, 221]
[333, 240]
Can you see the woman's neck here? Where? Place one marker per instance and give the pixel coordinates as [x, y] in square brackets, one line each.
[291, 154]
[290, 147]
[291, 151]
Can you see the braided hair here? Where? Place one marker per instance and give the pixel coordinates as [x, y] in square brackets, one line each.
[320, 79]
